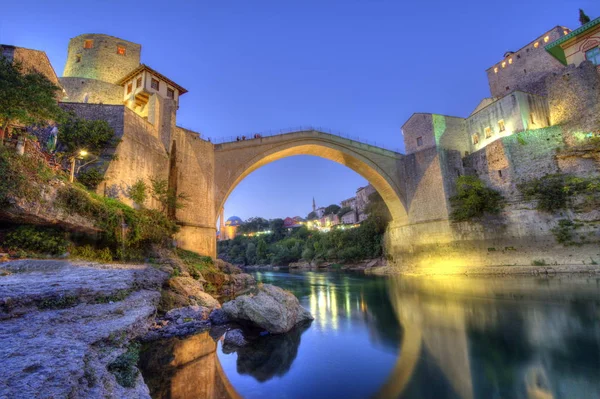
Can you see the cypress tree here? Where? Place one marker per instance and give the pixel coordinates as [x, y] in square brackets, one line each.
[583, 18]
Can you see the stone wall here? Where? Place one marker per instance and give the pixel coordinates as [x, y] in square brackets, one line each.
[574, 100]
[529, 66]
[96, 91]
[433, 130]
[32, 61]
[101, 61]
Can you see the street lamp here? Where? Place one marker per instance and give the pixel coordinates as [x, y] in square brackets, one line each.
[82, 154]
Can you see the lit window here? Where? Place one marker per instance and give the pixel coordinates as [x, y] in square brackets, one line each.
[566, 32]
[475, 138]
[154, 84]
[503, 64]
[488, 132]
[419, 141]
[546, 39]
[501, 126]
[593, 55]
[496, 70]
[129, 87]
[138, 82]
[78, 58]
[170, 93]
[536, 44]
[120, 50]
[510, 60]
[88, 43]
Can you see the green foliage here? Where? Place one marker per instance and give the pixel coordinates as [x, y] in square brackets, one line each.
[37, 239]
[261, 251]
[251, 253]
[564, 232]
[332, 209]
[59, 302]
[90, 178]
[25, 97]
[583, 18]
[344, 211]
[138, 192]
[378, 212]
[197, 264]
[121, 224]
[277, 229]
[76, 134]
[19, 176]
[474, 199]
[538, 262]
[124, 367]
[554, 192]
[90, 253]
[521, 140]
[253, 225]
[166, 196]
[312, 216]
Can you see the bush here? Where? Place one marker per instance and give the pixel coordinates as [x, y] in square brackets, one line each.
[564, 232]
[90, 178]
[19, 175]
[197, 264]
[90, 253]
[474, 199]
[538, 262]
[124, 367]
[37, 239]
[554, 192]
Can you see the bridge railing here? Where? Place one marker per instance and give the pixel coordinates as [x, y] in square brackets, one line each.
[280, 132]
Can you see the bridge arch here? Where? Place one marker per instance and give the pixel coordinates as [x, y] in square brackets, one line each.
[382, 168]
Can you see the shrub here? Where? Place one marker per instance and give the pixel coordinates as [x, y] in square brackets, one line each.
[197, 264]
[138, 192]
[474, 199]
[90, 253]
[19, 175]
[90, 178]
[564, 232]
[538, 262]
[37, 239]
[124, 367]
[554, 192]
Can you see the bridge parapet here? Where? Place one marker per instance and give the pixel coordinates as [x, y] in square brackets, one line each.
[273, 136]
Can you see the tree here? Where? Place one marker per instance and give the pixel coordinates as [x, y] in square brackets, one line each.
[76, 134]
[312, 216]
[344, 211]
[138, 192]
[378, 212]
[277, 229]
[332, 209]
[583, 18]
[251, 253]
[168, 198]
[261, 251]
[474, 199]
[25, 98]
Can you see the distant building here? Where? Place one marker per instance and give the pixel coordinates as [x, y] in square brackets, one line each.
[577, 46]
[349, 203]
[349, 217]
[320, 212]
[292, 223]
[229, 231]
[362, 200]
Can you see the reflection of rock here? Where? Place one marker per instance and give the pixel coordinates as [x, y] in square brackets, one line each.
[184, 369]
[234, 338]
[271, 355]
[270, 308]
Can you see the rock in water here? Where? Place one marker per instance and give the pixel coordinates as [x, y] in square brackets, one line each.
[271, 308]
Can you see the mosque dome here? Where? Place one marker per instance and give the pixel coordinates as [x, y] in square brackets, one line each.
[233, 221]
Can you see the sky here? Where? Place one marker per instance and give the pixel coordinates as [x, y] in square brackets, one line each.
[361, 67]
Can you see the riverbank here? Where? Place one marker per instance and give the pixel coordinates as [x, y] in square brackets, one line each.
[491, 271]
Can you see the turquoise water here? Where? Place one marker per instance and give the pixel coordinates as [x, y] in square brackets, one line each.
[426, 337]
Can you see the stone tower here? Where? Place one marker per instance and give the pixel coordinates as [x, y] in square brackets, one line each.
[101, 57]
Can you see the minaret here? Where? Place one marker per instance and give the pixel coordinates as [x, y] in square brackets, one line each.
[314, 205]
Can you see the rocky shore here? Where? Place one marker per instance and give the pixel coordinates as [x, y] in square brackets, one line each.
[71, 329]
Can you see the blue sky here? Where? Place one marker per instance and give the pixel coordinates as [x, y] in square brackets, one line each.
[359, 67]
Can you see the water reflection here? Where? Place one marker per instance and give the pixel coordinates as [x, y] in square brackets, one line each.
[496, 338]
[408, 337]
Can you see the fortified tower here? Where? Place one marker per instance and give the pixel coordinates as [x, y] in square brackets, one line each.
[101, 57]
[95, 65]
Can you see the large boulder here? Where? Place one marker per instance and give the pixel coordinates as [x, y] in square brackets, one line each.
[185, 291]
[270, 308]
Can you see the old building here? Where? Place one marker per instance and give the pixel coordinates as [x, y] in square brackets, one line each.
[577, 46]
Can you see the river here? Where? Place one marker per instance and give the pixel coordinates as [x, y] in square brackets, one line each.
[402, 337]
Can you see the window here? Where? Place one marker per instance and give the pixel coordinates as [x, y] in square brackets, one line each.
[488, 132]
[499, 173]
[154, 84]
[507, 87]
[120, 50]
[566, 32]
[88, 43]
[593, 55]
[503, 64]
[129, 87]
[170, 93]
[501, 126]
[510, 60]
[138, 82]
[536, 44]
[531, 118]
[546, 39]
[496, 70]
[419, 141]
[475, 138]
[78, 58]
